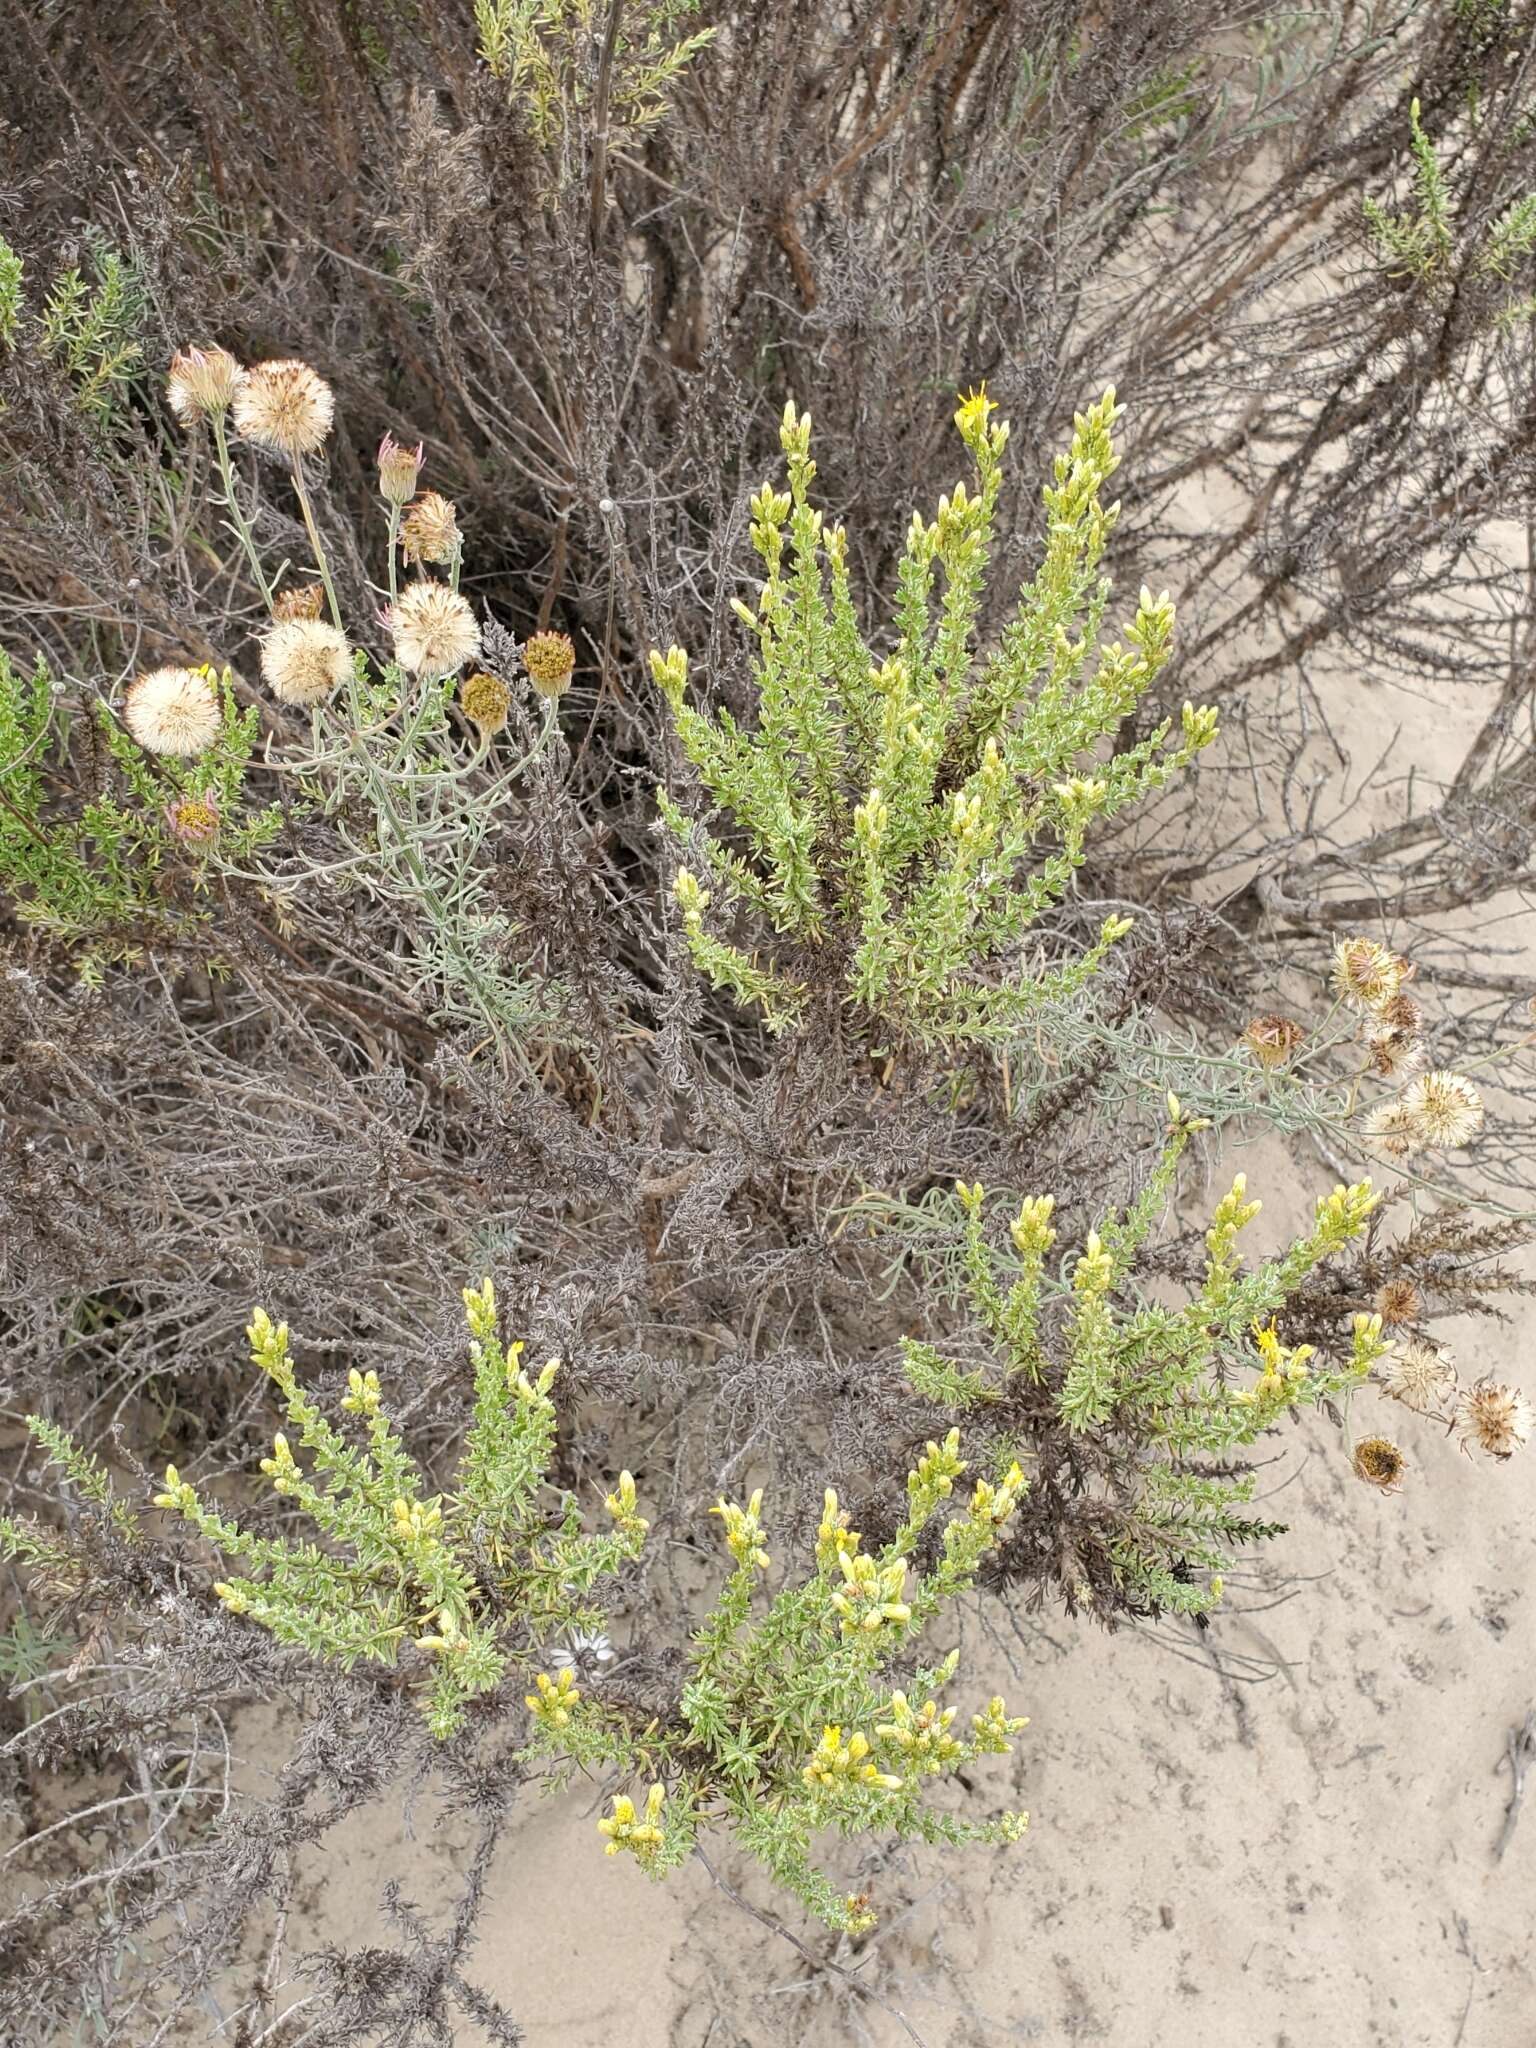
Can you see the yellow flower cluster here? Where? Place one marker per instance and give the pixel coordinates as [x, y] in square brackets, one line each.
[626, 1830]
[744, 1529]
[836, 1764]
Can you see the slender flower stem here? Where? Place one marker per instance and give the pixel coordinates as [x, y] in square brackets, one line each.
[313, 531]
[237, 518]
[394, 551]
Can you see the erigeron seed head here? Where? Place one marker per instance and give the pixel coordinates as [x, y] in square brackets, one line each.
[286, 406]
[301, 601]
[434, 628]
[399, 468]
[1396, 1054]
[429, 531]
[1399, 1302]
[1379, 1462]
[1421, 1376]
[303, 660]
[1497, 1419]
[1401, 1012]
[194, 820]
[1272, 1040]
[1446, 1110]
[1365, 975]
[1393, 1128]
[550, 659]
[202, 383]
[172, 711]
[485, 701]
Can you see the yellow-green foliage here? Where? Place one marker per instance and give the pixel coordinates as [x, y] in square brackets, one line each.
[910, 818]
[1420, 240]
[405, 1568]
[788, 1722]
[1157, 1389]
[788, 1725]
[548, 51]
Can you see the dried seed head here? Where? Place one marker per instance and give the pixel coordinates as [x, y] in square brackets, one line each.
[434, 628]
[1401, 1012]
[202, 383]
[1365, 975]
[172, 711]
[1379, 1463]
[1497, 1419]
[1421, 1376]
[1399, 1302]
[485, 700]
[550, 659]
[303, 660]
[284, 405]
[1445, 1108]
[303, 601]
[1396, 1054]
[194, 820]
[429, 531]
[1272, 1040]
[399, 468]
[1393, 1126]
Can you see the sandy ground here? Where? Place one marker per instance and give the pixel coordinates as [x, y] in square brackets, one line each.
[1280, 1835]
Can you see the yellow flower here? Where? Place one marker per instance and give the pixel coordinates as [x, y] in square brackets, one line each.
[485, 701]
[550, 659]
[744, 1530]
[551, 1704]
[626, 1830]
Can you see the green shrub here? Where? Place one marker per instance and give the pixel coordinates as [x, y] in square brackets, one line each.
[901, 825]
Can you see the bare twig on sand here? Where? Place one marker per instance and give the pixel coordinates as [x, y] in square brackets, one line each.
[1519, 1751]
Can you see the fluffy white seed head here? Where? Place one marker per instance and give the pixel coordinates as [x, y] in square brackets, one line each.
[172, 711]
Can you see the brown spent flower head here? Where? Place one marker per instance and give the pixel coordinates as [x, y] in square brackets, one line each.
[486, 701]
[429, 531]
[1365, 975]
[399, 468]
[172, 711]
[1396, 1054]
[1379, 1463]
[303, 660]
[434, 628]
[202, 383]
[1498, 1419]
[1401, 1012]
[1393, 1126]
[550, 659]
[302, 601]
[286, 406]
[1446, 1110]
[1272, 1040]
[194, 820]
[1399, 1302]
[1421, 1376]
